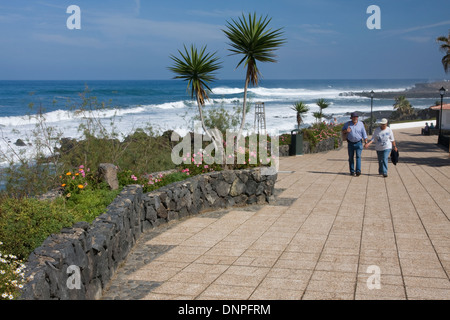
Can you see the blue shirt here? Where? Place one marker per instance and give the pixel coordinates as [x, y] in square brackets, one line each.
[358, 131]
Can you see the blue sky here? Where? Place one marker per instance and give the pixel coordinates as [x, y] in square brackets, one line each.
[133, 39]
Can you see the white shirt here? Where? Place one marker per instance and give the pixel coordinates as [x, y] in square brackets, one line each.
[383, 138]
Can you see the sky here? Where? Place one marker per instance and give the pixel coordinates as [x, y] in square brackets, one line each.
[133, 39]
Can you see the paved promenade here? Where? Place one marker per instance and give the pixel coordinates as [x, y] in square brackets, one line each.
[328, 235]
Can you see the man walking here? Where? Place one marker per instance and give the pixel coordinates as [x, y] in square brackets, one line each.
[356, 134]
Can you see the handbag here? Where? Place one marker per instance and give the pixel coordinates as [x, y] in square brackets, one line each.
[394, 156]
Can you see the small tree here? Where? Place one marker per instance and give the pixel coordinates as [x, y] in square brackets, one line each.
[300, 108]
[254, 41]
[322, 105]
[317, 115]
[198, 67]
[403, 106]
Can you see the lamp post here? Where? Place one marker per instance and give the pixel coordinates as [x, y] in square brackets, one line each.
[371, 112]
[441, 92]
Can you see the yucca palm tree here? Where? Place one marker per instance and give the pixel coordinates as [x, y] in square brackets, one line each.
[251, 38]
[322, 105]
[198, 68]
[301, 108]
[403, 106]
[445, 47]
[318, 116]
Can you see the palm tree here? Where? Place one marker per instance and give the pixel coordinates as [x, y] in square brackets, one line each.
[197, 67]
[251, 38]
[445, 47]
[322, 105]
[403, 106]
[318, 116]
[301, 108]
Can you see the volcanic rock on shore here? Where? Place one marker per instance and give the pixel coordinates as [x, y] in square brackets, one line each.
[420, 90]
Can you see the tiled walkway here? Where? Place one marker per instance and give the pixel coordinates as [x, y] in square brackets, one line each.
[327, 236]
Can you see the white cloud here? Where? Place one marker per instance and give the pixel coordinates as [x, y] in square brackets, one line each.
[67, 40]
[419, 39]
[417, 28]
[215, 13]
[119, 27]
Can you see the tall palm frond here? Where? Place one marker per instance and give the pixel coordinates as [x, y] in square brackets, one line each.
[322, 105]
[403, 106]
[300, 108]
[196, 67]
[255, 41]
[445, 47]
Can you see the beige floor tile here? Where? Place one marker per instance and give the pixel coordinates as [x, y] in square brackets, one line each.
[318, 295]
[296, 264]
[226, 292]
[180, 288]
[422, 282]
[205, 268]
[262, 293]
[332, 286]
[420, 293]
[286, 284]
[162, 296]
[386, 290]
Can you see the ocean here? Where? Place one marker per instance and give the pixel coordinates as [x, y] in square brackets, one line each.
[164, 104]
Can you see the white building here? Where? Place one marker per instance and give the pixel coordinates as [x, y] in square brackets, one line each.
[445, 115]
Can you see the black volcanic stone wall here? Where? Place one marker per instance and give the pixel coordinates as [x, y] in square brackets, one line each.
[97, 249]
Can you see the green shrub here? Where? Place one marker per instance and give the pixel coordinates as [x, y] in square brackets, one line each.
[25, 223]
[88, 204]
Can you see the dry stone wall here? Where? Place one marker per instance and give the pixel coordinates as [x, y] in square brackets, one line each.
[79, 262]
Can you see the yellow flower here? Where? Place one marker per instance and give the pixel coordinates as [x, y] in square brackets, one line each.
[80, 186]
[68, 173]
[63, 185]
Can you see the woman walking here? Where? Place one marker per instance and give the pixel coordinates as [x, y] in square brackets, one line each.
[384, 141]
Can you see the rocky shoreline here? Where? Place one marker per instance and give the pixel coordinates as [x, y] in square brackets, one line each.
[419, 114]
[420, 90]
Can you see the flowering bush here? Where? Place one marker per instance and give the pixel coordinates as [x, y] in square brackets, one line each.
[322, 131]
[243, 157]
[198, 164]
[12, 276]
[285, 139]
[77, 180]
[150, 182]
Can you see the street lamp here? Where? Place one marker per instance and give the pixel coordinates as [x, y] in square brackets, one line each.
[441, 92]
[371, 112]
